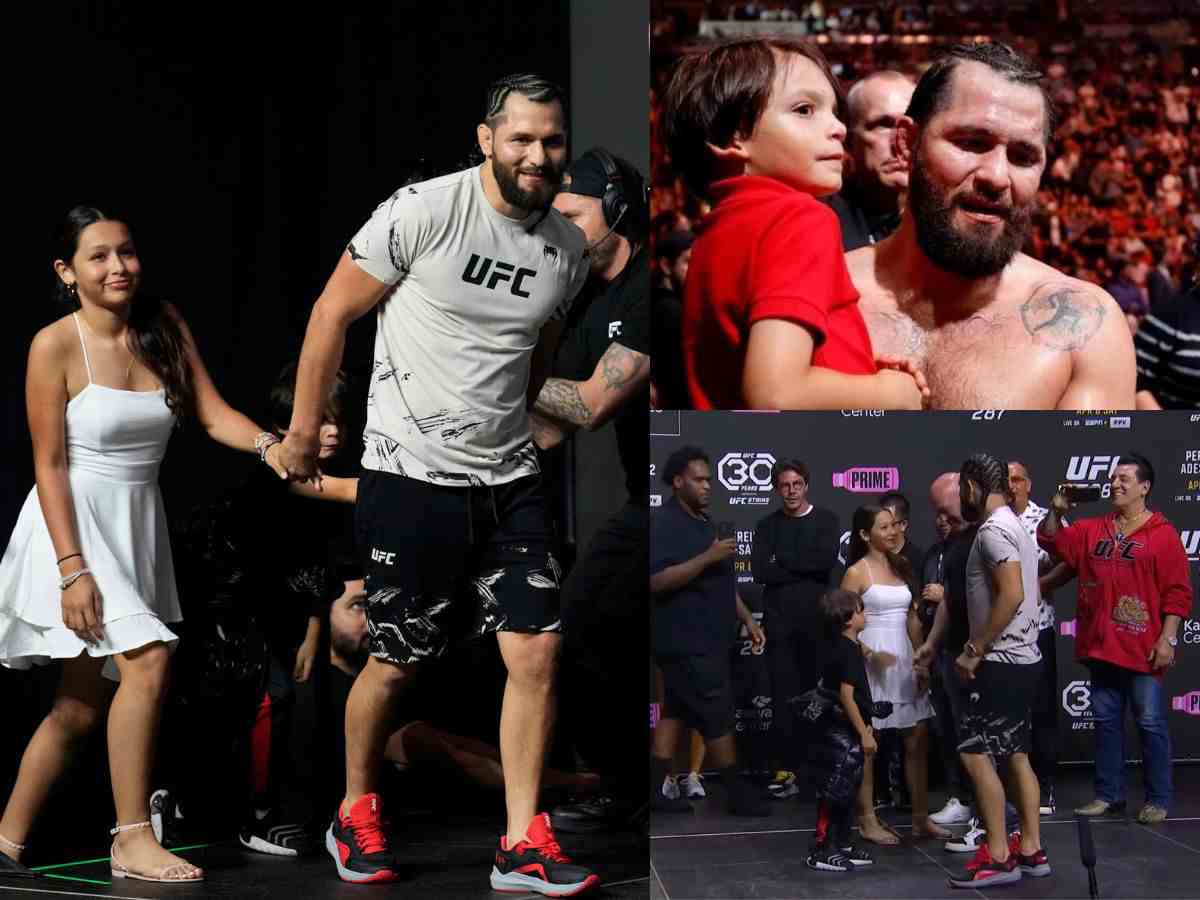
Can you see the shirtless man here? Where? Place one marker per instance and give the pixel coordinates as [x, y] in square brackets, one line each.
[990, 326]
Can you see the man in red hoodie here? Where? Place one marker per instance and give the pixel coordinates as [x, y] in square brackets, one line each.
[1134, 590]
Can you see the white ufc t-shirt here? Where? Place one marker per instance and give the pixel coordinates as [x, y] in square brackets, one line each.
[1000, 539]
[472, 289]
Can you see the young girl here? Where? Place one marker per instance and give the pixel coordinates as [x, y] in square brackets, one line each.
[88, 567]
[770, 317]
[881, 576]
[848, 736]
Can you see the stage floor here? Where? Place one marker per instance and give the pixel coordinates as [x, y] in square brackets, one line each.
[713, 854]
[440, 858]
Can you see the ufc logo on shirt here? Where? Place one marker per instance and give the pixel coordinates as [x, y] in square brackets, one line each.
[1104, 549]
[386, 558]
[477, 270]
[614, 329]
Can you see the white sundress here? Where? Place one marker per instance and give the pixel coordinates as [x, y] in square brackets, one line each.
[115, 441]
[886, 607]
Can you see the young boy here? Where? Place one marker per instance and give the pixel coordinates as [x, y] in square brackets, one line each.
[847, 738]
[770, 317]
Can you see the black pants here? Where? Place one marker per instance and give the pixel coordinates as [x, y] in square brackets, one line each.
[606, 604]
[945, 728]
[794, 637]
[1044, 718]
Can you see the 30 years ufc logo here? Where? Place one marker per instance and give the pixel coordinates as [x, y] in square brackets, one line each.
[746, 471]
[478, 266]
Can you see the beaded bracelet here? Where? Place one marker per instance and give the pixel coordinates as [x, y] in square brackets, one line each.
[68, 556]
[67, 580]
[263, 442]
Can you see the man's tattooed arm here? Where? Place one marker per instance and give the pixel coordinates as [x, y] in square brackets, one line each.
[1062, 317]
[589, 404]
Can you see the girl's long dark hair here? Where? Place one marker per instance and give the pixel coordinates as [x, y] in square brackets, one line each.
[864, 520]
[155, 337]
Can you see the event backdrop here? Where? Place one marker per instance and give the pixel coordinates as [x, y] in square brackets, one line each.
[855, 456]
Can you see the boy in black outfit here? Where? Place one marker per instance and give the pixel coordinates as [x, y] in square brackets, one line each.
[847, 738]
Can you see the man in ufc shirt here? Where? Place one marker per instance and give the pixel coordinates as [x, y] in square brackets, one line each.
[1134, 590]
[472, 274]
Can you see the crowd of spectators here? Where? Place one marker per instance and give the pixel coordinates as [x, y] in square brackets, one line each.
[1119, 204]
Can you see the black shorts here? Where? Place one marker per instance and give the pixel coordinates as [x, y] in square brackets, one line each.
[999, 700]
[448, 563]
[699, 691]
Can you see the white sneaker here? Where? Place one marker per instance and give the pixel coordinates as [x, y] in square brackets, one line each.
[670, 788]
[953, 813]
[692, 786]
[970, 841]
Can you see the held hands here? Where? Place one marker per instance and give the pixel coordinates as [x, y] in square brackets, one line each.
[295, 458]
[933, 593]
[1162, 655]
[903, 393]
[82, 609]
[966, 665]
[758, 637]
[923, 656]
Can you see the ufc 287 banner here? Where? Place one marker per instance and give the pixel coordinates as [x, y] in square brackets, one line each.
[856, 456]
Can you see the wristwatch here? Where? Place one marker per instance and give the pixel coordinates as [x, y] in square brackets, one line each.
[1173, 641]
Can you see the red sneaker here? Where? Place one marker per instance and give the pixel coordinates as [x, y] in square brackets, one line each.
[538, 864]
[983, 871]
[358, 845]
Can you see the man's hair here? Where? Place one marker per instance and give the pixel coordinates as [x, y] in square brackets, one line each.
[896, 501]
[1145, 471]
[932, 94]
[790, 465]
[678, 462]
[838, 607]
[1024, 468]
[989, 472]
[856, 88]
[536, 88]
[719, 91]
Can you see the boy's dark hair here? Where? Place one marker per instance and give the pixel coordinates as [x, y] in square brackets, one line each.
[933, 90]
[790, 465]
[718, 91]
[1145, 471]
[896, 501]
[838, 607]
[283, 397]
[678, 462]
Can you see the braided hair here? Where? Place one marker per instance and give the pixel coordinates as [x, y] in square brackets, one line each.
[989, 472]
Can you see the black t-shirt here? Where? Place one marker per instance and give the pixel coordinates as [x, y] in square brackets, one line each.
[954, 566]
[618, 312]
[701, 617]
[860, 229]
[844, 664]
[793, 557]
[932, 571]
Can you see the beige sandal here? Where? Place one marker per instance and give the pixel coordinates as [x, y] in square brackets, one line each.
[184, 871]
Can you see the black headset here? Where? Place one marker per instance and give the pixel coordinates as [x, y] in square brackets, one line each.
[626, 200]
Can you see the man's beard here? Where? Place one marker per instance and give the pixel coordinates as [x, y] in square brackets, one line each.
[353, 652]
[513, 194]
[601, 256]
[970, 254]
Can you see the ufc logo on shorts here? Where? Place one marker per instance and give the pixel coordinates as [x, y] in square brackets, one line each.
[477, 269]
[614, 329]
[386, 558]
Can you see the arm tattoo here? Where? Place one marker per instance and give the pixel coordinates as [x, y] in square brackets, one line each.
[619, 365]
[1063, 318]
[560, 399]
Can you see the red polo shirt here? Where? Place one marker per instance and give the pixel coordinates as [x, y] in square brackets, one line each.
[766, 251]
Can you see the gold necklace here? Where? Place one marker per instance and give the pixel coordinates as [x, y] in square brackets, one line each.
[1132, 525]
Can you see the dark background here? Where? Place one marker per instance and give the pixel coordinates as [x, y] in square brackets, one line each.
[920, 446]
[244, 149]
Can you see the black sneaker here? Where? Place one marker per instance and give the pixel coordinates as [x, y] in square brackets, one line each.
[858, 856]
[829, 859]
[538, 864]
[266, 834]
[358, 845]
[600, 813]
